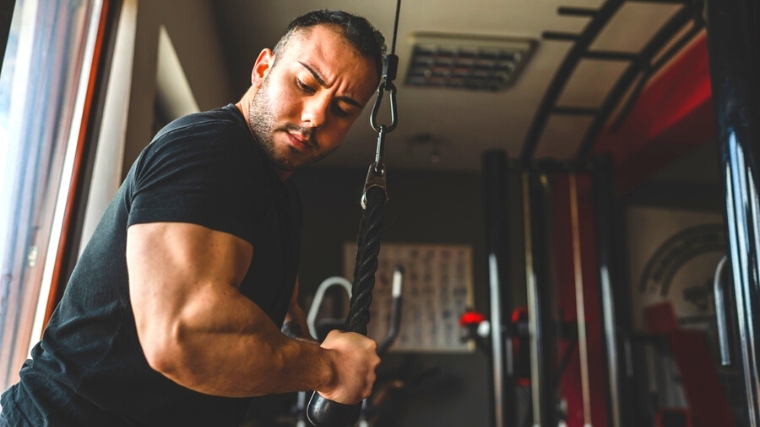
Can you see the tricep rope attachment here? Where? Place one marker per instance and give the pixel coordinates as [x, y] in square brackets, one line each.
[322, 412]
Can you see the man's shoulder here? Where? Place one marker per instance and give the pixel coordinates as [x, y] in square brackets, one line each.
[207, 123]
[209, 134]
[217, 140]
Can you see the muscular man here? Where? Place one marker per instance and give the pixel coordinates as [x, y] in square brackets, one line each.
[172, 316]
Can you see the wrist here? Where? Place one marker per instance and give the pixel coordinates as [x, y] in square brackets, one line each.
[328, 378]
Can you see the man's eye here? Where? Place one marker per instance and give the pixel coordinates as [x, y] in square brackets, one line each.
[341, 112]
[304, 87]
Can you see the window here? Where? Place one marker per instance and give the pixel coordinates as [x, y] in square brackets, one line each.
[43, 88]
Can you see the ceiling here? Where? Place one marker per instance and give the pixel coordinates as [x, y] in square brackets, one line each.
[462, 124]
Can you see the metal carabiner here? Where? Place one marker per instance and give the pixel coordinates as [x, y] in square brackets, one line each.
[380, 150]
[384, 85]
[376, 172]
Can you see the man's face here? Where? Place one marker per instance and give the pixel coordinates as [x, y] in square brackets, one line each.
[307, 102]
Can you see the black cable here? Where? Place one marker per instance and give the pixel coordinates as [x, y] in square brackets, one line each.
[395, 28]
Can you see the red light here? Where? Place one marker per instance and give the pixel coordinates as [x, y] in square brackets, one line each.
[471, 318]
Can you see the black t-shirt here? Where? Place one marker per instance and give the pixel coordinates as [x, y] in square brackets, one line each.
[89, 368]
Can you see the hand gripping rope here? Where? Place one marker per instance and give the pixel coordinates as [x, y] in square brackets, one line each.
[323, 412]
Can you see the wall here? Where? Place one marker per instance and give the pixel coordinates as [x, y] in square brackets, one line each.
[194, 32]
[691, 182]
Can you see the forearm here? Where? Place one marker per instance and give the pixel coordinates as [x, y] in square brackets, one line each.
[223, 344]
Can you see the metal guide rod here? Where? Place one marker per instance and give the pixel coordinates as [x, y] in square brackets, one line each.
[579, 300]
[496, 341]
[720, 313]
[603, 215]
[533, 308]
[495, 192]
[612, 352]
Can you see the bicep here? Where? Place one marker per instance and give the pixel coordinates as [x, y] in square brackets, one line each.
[172, 265]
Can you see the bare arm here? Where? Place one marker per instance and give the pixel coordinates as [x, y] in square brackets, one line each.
[198, 330]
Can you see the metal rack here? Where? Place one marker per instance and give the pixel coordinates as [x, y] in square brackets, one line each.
[640, 64]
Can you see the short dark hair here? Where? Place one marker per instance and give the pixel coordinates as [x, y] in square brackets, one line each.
[357, 31]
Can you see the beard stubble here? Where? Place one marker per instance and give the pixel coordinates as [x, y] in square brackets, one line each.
[263, 126]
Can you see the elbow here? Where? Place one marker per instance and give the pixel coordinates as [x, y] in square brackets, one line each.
[163, 351]
[161, 359]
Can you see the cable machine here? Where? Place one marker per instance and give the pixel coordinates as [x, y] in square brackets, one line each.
[320, 411]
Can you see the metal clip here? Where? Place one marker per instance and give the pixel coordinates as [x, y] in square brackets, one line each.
[384, 85]
[375, 178]
[379, 150]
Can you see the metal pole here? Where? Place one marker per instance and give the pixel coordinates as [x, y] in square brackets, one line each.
[540, 321]
[533, 307]
[721, 313]
[580, 305]
[495, 192]
[496, 341]
[603, 214]
[733, 28]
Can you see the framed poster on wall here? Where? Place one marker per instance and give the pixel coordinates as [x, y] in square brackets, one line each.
[673, 257]
[437, 288]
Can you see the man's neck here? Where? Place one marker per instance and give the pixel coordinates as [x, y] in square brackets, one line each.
[244, 107]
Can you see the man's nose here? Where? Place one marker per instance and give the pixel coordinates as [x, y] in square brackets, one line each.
[315, 111]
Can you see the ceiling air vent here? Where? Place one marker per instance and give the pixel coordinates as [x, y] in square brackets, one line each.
[466, 62]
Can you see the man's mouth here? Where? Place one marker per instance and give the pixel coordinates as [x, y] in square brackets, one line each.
[300, 142]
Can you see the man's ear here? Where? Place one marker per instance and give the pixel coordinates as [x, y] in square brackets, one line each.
[261, 68]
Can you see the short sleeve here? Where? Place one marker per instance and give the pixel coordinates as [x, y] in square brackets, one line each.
[203, 174]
